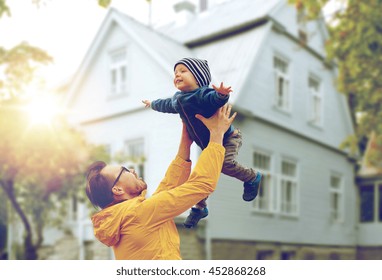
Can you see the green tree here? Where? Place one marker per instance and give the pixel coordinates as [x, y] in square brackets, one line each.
[355, 45]
[40, 166]
[18, 64]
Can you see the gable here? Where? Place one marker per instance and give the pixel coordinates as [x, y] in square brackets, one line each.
[287, 16]
[165, 53]
[93, 98]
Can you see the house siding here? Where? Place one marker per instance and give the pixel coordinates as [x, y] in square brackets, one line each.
[261, 84]
[231, 217]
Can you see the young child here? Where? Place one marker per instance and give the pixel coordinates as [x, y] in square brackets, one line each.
[192, 78]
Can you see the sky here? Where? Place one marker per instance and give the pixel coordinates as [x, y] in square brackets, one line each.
[66, 28]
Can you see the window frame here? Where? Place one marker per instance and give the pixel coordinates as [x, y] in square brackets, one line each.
[337, 215]
[295, 186]
[268, 179]
[283, 102]
[315, 117]
[376, 202]
[118, 64]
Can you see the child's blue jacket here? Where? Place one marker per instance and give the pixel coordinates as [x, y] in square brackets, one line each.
[204, 101]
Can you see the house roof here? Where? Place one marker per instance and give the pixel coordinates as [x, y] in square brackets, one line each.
[231, 60]
[221, 18]
[166, 45]
[158, 44]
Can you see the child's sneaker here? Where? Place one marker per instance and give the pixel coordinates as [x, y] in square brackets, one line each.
[252, 188]
[195, 215]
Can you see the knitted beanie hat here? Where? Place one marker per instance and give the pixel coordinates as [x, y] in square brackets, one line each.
[199, 68]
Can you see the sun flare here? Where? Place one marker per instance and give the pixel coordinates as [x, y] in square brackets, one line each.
[42, 110]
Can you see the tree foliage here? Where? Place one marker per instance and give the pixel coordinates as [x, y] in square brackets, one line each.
[4, 9]
[355, 44]
[40, 166]
[19, 65]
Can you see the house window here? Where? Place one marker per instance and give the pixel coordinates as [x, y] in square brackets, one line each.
[309, 256]
[288, 187]
[315, 96]
[288, 255]
[371, 203]
[135, 156]
[282, 98]
[264, 255]
[336, 198]
[334, 256]
[262, 163]
[118, 72]
[367, 203]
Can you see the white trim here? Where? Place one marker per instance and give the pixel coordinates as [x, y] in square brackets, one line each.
[315, 94]
[295, 187]
[116, 64]
[269, 176]
[286, 99]
[341, 203]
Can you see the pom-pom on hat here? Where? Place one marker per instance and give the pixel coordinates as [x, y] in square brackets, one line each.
[199, 68]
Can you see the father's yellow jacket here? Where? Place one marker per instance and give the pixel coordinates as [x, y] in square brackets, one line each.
[144, 229]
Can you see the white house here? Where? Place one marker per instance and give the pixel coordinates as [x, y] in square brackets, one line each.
[291, 116]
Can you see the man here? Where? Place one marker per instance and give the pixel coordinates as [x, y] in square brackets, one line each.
[140, 228]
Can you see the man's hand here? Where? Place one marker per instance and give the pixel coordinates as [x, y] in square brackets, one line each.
[147, 103]
[219, 123]
[222, 89]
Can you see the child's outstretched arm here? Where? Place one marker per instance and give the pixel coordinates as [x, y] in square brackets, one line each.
[223, 90]
[160, 105]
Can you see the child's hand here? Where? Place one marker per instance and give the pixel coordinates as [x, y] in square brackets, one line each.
[147, 103]
[222, 89]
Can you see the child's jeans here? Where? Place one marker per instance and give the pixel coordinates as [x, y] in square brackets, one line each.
[231, 167]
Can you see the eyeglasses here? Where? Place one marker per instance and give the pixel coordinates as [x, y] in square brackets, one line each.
[119, 175]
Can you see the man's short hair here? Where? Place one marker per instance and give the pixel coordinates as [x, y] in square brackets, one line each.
[98, 187]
